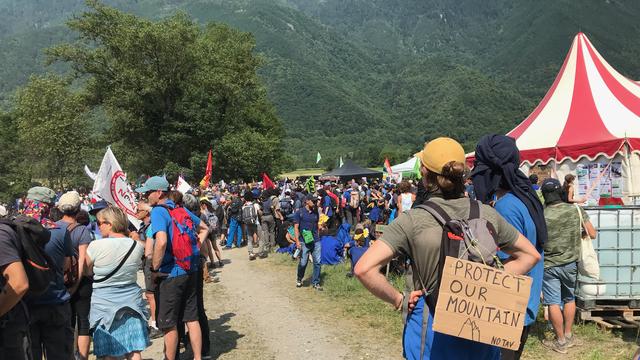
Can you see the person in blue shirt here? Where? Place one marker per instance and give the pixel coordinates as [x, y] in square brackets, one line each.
[498, 180]
[357, 246]
[305, 223]
[176, 294]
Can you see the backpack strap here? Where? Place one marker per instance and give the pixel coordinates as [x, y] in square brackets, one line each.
[133, 246]
[436, 211]
[447, 247]
[474, 209]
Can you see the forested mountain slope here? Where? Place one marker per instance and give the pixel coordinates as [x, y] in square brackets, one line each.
[374, 78]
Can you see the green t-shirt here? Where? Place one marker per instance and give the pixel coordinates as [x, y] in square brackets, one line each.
[420, 229]
[564, 229]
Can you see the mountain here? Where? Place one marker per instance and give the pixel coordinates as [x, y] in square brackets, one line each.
[373, 78]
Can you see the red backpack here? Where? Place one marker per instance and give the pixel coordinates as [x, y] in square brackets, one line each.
[184, 238]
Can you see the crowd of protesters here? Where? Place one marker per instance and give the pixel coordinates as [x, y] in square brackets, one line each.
[96, 251]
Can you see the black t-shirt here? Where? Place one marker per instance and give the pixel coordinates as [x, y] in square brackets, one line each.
[9, 249]
[10, 252]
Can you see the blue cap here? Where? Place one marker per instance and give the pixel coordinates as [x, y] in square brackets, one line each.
[99, 205]
[154, 183]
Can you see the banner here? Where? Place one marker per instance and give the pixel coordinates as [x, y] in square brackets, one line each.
[182, 185]
[112, 186]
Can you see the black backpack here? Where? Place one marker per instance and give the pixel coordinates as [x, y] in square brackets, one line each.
[32, 237]
[235, 208]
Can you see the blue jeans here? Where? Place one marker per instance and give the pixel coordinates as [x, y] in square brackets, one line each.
[315, 248]
[234, 228]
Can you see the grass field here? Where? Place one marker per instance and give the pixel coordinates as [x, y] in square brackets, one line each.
[351, 299]
[302, 172]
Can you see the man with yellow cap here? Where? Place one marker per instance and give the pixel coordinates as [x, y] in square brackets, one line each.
[418, 235]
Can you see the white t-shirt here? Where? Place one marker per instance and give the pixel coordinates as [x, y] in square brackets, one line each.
[107, 253]
[406, 200]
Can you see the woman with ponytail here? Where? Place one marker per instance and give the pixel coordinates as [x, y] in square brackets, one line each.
[418, 235]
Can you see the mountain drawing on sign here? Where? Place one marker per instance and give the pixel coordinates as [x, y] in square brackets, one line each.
[470, 330]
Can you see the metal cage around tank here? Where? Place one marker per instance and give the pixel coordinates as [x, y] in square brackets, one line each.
[618, 247]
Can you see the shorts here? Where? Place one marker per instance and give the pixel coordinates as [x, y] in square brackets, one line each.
[177, 300]
[559, 284]
[251, 229]
[81, 305]
[149, 285]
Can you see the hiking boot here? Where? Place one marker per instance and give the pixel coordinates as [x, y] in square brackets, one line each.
[299, 283]
[555, 345]
[264, 255]
[155, 333]
[573, 341]
[252, 256]
[318, 287]
[220, 264]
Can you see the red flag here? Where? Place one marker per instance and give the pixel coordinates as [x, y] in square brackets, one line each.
[208, 172]
[266, 182]
[387, 166]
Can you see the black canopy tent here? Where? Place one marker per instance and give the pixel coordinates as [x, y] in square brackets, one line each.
[351, 170]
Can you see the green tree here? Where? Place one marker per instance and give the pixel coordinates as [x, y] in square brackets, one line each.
[13, 180]
[52, 131]
[173, 89]
[243, 155]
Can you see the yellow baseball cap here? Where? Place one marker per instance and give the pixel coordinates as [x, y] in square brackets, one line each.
[439, 152]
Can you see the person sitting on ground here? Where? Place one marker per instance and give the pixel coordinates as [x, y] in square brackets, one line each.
[357, 246]
[118, 314]
[290, 246]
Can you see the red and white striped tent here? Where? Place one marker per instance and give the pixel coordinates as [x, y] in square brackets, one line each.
[590, 113]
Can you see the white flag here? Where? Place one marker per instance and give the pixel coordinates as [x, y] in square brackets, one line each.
[182, 185]
[89, 173]
[111, 185]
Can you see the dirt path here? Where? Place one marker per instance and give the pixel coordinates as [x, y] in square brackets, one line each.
[256, 312]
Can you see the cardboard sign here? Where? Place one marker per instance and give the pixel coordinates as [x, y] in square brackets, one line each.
[481, 303]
